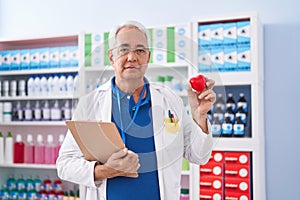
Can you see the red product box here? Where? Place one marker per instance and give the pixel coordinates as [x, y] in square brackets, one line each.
[210, 194]
[211, 183]
[217, 156]
[242, 158]
[237, 171]
[212, 169]
[237, 196]
[236, 185]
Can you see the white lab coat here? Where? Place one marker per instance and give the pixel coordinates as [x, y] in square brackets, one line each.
[189, 142]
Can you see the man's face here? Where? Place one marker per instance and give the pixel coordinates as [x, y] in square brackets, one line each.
[130, 56]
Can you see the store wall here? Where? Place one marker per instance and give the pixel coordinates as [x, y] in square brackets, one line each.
[281, 21]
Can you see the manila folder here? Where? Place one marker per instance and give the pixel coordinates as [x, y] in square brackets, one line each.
[96, 140]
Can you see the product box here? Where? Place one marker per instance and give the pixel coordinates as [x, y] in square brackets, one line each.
[237, 196]
[97, 49]
[240, 158]
[6, 60]
[230, 58]
[229, 34]
[0, 63]
[25, 59]
[34, 59]
[206, 194]
[44, 58]
[15, 60]
[237, 171]
[159, 41]
[64, 56]
[204, 61]
[204, 36]
[217, 156]
[54, 57]
[235, 185]
[216, 35]
[217, 59]
[243, 33]
[212, 169]
[74, 56]
[182, 44]
[243, 59]
[211, 183]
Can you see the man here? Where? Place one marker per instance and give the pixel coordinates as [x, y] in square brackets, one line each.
[152, 122]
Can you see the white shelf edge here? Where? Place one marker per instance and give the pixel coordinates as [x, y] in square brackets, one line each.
[39, 71]
[29, 166]
[33, 123]
[235, 144]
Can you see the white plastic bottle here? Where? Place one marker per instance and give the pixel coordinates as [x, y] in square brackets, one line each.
[50, 85]
[1, 148]
[37, 112]
[46, 112]
[55, 111]
[28, 112]
[76, 85]
[19, 111]
[55, 85]
[30, 86]
[62, 85]
[8, 152]
[70, 85]
[50, 150]
[44, 86]
[66, 111]
[37, 85]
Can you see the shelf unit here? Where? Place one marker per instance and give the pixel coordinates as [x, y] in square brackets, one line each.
[34, 127]
[252, 78]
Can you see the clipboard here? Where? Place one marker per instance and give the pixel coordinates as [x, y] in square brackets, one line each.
[96, 140]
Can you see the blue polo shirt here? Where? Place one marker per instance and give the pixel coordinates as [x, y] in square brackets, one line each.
[139, 139]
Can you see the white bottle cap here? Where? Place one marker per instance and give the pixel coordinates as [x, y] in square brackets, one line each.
[19, 138]
[29, 138]
[40, 138]
[61, 138]
[50, 139]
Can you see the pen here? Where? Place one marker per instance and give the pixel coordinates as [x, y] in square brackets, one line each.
[170, 116]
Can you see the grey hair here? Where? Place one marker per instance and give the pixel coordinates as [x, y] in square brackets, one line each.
[113, 33]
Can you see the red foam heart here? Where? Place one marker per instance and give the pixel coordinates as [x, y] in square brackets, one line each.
[198, 83]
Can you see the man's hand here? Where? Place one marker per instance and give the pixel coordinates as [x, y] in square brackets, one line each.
[121, 163]
[201, 103]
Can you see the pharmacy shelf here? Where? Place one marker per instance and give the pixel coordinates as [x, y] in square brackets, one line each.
[23, 98]
[34, 123]
[28, 166]
[39, 71]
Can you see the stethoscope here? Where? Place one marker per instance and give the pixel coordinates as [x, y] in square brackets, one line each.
[123, 131]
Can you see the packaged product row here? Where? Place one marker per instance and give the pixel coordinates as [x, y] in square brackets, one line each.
[39, 58]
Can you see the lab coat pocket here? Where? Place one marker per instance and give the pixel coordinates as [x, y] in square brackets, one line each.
[171, 125]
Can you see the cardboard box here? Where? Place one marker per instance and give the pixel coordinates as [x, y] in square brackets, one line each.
[74, 56]
[64, 57]
[217, 59]
[204, 61]
[159, 40]
[212, 169]
[182, 44]
[6, 60]
[216, 35]
[237, 196]
[243, 33]
[235, 185]
[15, 60]
[230, 58]
[210, 194]
[34, 59]
[237, 171]
[243, 59]
[44, 58]
[54, 57]
[240, 158]
[204, 36]
[229, 34]
[211, 183]
[25, 59]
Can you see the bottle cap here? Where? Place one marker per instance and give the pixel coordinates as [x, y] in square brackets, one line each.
[40, 138]
[184, 191]
[160, 79]
[50, 138]
[61, 138]
[29, 138]
[19, 138]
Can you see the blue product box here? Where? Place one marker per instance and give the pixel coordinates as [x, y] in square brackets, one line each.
[74, 56]
[44, 58]
[216, 35]
[217, 59]
[230, 34]
[25, 59]
[15, 60]
[204, 36]
[34, 59]
[204, 61]
[0, 63]
[230, 58]
[243, 33]
[244, 59]
[54, 57]
[6, 60]
[64, 59]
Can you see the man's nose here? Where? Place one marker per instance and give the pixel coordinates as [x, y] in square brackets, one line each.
[131, 56]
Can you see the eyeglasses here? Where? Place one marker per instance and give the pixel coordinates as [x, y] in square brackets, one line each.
[124, 50]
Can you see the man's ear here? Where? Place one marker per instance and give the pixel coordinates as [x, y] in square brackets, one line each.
[110, 57]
